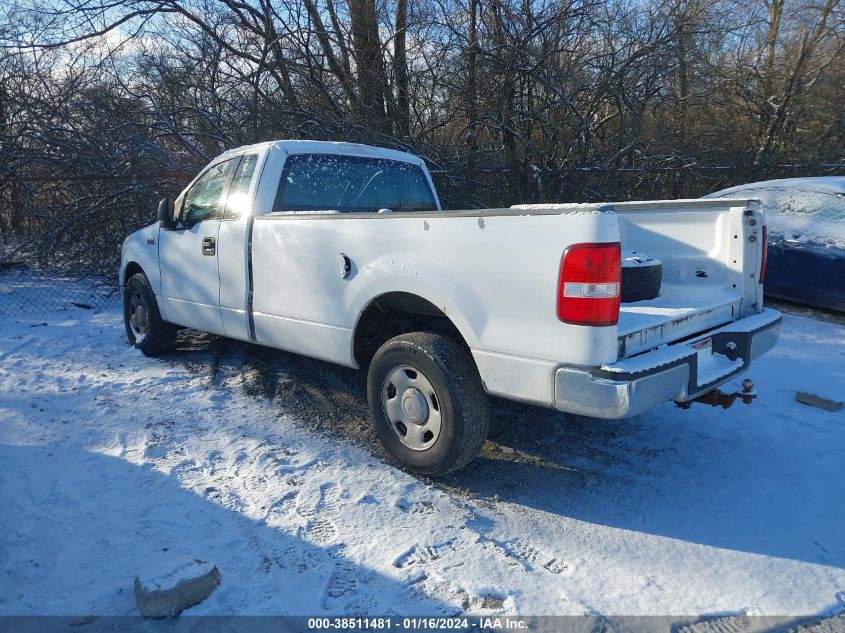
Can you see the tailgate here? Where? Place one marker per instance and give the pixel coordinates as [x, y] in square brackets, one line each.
[711, 254]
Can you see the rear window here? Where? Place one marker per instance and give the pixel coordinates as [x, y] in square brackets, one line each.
[350, 184]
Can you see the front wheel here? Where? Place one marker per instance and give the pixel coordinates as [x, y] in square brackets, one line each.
[145, 328]
[427, 402]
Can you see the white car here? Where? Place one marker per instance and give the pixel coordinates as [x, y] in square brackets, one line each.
[342, 252]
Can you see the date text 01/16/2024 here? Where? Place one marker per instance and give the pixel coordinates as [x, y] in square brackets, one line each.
[417, 623]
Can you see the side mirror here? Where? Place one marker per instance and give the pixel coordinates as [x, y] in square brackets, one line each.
[165, 212]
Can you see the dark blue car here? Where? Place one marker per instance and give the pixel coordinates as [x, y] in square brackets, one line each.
[806, 225]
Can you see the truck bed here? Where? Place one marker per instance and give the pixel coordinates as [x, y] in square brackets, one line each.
[494, 274]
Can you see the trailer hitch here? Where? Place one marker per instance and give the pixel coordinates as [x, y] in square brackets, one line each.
[717, 398]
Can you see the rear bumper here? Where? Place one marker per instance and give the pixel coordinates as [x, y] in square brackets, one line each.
[636, 384]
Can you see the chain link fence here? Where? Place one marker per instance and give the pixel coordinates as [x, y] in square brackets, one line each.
[25, 291]
[60, 236]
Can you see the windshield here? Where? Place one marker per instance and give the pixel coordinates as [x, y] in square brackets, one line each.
[351, 184]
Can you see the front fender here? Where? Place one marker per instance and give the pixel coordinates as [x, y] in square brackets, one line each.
[141, 247]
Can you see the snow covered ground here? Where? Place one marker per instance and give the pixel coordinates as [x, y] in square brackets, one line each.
[263, 463]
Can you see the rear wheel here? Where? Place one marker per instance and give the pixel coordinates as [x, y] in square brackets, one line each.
[427, 402]
[145, 328]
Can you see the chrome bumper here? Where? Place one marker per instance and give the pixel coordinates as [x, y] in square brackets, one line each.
[636, 384]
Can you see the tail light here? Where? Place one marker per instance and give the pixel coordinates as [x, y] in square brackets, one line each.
[588, 288]
[765, 247]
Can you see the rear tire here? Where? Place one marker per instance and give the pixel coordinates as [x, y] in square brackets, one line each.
[427, 402]
[145, 328]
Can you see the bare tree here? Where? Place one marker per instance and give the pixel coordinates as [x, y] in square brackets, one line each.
[106, 104]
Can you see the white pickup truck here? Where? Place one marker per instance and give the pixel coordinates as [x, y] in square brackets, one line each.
[342, 252]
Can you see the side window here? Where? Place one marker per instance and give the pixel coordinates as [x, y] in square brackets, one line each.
[237, 203]
[204, 199]
[351, 184]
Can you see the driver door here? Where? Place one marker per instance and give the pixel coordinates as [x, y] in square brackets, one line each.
[190, 281]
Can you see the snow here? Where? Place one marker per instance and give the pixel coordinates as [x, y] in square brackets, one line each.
[652, 360]
[635, 259]
[114, 463]
[564, 208]
[753, 322]
[800, 209]
[166, 577]
[718, 366]
[300, 146]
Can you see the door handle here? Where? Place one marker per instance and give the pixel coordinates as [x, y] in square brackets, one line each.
[208, 246]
